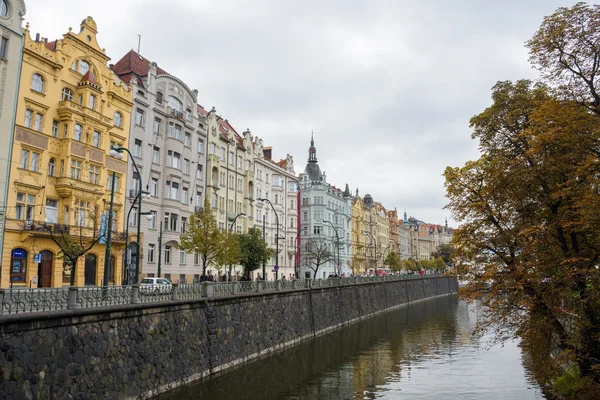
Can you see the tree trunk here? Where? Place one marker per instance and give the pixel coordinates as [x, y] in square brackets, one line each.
[73, 270]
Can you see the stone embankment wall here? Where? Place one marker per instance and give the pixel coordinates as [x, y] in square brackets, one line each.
[138, 350]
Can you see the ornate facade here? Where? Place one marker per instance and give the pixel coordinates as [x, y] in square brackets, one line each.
[321, 202]
[168, 142]
[71, 107]
[277, 182]
[11, 42]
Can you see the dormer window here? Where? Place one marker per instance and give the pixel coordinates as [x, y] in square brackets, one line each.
[37, 83]
[175, 104]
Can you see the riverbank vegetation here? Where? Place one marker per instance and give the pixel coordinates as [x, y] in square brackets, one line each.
[529, 207]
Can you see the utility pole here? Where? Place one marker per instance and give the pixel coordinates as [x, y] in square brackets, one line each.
[264, 239]
[159, 248]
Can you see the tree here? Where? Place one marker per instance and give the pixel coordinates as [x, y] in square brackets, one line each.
[253, 250]
[445, 251]
[230, 254]
[203, 237]
[439, 264]
[317, 254]
[74, 241]
[408, 265]
[529, 211]
[392, 261]
[566, 50]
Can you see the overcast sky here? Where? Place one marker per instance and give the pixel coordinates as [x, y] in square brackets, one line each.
[388, 87]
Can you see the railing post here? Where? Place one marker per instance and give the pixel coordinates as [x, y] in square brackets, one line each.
[72, 298]
[209, 289]
[135, 294]
[174, 291]
[295, 284]
[236, 288]
[1, 301]
[259, 286]
[277, 285]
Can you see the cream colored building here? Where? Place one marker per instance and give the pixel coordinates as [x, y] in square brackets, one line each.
[11, 51]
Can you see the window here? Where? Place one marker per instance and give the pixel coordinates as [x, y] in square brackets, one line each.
[66, 131]
[24, 207]
[82, 213]
[3, 44]
[55, 128]
[109, 182]
[139, 117]
[173, 222]
[18, 257]
[198, 199]
[317, 230]
[24, 159]
[222, 153]
[92, 103]
[167, 255]
[184, 195]
[175, 191]
[154, 187]
[94, 174]
[156, 127]
[187, 140]
[135, 182]
[80, 100]
[137, 148]
[231, 158]
[75, 169]
[78, 132]
[200, 146]
[293, 187]
[213, 148]
[118, 119]
[96, 139]
[155, 155]
[37, 83]
[239, 164]
[199, 171]
[277, 181]
[175, 104]
[133, 217]
[183, 224]
[186, 166]
[151, 253]
[35, 158]
[174, 131]
[188, 114]
[51, 167]
[28, 118]
[182, 261]
[213, 200]
[38, 122]
[174, 159]
[67, 95]
[152, 220]
[84, 67]
[51, 211]
[159, 97]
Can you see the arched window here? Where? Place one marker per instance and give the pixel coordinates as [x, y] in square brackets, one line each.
[4, 9]
[67, 94]
[51, 167]
[37, 83]
[175, 103]
[213, 200]
[83, 67]
[159, 97]
[18, 265]
[118, 119]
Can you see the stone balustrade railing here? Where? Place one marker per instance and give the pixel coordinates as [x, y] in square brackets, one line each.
[14, 301]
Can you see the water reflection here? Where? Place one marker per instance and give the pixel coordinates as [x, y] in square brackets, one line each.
[422, 351]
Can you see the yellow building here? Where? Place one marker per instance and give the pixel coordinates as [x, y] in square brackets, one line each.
[71, 108]
[358, 238]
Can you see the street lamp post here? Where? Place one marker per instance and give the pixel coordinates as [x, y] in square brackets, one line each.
[374, 248]
[242, 215]
[108, 225]
[276, 238]
[337, 237]
[383, 255]
[117, 152]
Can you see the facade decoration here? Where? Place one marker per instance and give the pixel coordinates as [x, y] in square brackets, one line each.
[276, 182]
[71, 107]
[168, 142]
[325, 217]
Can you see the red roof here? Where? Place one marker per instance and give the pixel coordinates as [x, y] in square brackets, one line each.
[133, 65]
[51, 45]
[89, 77]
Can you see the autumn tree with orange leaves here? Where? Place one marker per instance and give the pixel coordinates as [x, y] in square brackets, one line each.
[529, 207]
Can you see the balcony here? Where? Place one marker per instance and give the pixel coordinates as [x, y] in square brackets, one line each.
[67, 108]
[47, 229]
[65, 186]
[175, 113]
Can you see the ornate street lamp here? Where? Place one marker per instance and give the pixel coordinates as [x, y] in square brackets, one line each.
[374, 248]
[276, 239]
[337, 237]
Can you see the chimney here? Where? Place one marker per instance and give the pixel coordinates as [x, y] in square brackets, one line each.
[267, 152]
[37, 37]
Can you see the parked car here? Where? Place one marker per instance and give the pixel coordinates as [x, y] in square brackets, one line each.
[149, 286]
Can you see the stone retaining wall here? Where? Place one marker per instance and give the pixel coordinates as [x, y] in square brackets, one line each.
[138, 350]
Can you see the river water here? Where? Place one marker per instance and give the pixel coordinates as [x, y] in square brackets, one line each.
[422, 351]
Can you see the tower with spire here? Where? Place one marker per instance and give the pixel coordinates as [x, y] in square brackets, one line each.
[324, 211]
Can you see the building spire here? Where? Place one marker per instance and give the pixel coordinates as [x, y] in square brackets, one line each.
[312, 151]
[312, 140]
[405, 219]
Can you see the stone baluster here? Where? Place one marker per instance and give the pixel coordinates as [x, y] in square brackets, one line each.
[72, 298]
[174, 291]
[135, 294]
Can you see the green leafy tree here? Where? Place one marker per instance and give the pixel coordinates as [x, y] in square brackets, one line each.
[440, 264]
[392, 261]
[203, 237]
[529, 211]
[253, 250]
[230, 254]
[445, 251]
[408, 265]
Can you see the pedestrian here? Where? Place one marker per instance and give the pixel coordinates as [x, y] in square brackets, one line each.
[283, 278]
[211, 278]
[224, 277]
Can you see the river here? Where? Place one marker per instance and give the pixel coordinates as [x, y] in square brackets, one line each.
[422, 351]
